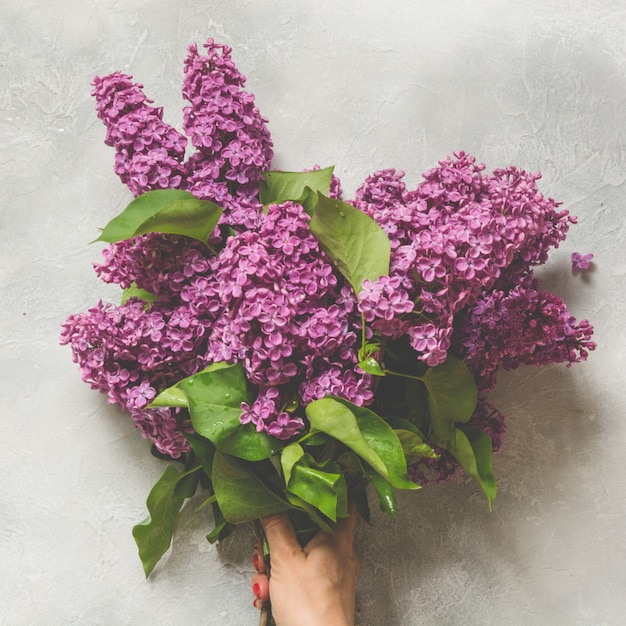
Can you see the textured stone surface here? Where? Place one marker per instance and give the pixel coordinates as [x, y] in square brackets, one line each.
[362, 85]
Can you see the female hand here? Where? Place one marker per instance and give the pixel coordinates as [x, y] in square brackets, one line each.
[310, 586]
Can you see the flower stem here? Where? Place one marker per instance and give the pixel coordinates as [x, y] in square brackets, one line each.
[391, 373]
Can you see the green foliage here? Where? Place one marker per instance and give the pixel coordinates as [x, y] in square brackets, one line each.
[135, 292]
[214, 398]
[472, 448]
[301, 187]
[386, 496]
[365, 433]
[241, 494]
[312, 483]
[154, 535]
[355, 243]
[172, 397]
[452, 393]
[164, 211]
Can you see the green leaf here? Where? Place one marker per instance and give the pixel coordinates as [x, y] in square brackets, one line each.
[300, 187]
[324, 489]
[321, 489]
[365, 433]
[222, 527]
[414, 446]
[204, 451]
[355, 243]
[371, 366]
[154, 535]
[312, 513]
[170, 397]
[135, 292]
[242, 496]
[386, 496]
[472, 448]
[214, 398]
[174, 397]
[415, 404]
[164, 211]
[206, 502]
[289, 456]
[399, 423]
[452, 397]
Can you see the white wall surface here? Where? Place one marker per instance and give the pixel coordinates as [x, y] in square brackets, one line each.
[363, 85]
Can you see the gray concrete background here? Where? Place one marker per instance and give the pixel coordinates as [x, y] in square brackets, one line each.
[362, 86]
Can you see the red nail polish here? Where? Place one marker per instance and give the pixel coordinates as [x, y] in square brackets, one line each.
[256, 590]
[255, 561]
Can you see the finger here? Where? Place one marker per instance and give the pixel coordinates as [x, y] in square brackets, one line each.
[343, 533]
[346, 526]
[280, 534]
[258, 562]
[260, 587]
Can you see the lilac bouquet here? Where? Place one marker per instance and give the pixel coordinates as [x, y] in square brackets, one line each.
[289, 349]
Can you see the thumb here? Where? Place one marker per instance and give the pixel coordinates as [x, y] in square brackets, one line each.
[280, 534]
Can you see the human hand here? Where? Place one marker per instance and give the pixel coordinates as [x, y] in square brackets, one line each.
[310, 586]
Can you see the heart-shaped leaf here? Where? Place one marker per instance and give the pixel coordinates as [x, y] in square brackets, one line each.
[365, 433]
[154, 535]
[242, 496]
[170, 211]
[301, 187]
[357, 246]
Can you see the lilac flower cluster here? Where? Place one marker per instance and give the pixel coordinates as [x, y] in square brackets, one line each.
[282, 312]
[457, 236]
[149, 152]
[233, 144]
[127, 352]
[521, 326]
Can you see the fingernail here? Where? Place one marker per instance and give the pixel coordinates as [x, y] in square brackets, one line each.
[256, 590]
[255, 561]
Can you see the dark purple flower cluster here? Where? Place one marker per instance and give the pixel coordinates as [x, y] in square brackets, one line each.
[521, 326]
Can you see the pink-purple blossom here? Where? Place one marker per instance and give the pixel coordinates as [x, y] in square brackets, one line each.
[581, 261]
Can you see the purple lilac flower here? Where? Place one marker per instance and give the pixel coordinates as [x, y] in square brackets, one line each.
[122, 353]
[149, 152]
[524, 326]
[454, 237]
[580, 261]
[283, 316]
[233, 144]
